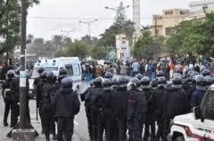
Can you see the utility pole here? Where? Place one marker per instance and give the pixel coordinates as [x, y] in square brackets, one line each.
[23, 83]
[25, 131]
[88, 23]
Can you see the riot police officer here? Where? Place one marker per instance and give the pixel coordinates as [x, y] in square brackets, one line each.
[88, 106]
[14, 87]
[139, 76]
[137, 108]
[67, 105]
[174, 103]
[150, 122]
[6, 93]
[48, 93]
[200, 91]
[120, 105]
[91, 100]
[158, 104]
[108, 75]
[106, 118]
[39, 98]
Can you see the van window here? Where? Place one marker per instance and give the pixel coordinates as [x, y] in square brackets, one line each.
[76, 69]
[208, 105]
[69, 69]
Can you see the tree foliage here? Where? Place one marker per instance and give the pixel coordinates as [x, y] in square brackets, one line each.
[99, 52]
[78, 48]
[148, 47]
[195, 36]
[10, 19]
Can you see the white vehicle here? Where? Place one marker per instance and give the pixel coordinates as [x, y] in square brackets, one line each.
[196, 126]
[71, 64]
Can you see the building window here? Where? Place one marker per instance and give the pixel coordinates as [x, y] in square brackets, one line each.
[168, 12]
[182, 12]
[169, 30]
[69, 69]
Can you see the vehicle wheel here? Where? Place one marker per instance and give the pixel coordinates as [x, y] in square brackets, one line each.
[180, 138]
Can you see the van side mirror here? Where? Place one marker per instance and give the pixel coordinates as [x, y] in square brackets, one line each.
[198, 114]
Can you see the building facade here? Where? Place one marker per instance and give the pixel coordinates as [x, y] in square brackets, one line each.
[123, 48]
[202, 6]
[164, 24]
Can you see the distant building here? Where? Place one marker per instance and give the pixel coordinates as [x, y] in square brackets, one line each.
[164, 24]
[202, 6]
[123, 48]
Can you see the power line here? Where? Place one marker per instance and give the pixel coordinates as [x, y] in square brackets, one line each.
[60, 18]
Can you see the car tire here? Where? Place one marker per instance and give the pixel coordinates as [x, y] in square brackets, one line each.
[180, 138]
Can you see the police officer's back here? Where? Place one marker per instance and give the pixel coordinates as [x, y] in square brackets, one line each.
[67, 105]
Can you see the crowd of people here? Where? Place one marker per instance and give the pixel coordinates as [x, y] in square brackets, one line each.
[135, 101]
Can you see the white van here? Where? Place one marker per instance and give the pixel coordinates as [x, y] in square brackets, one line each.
[71, 64]
[196, 126]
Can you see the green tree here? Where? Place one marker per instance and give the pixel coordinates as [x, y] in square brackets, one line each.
[148, 47]
[77, 48]
[99, 52]
[10, 19]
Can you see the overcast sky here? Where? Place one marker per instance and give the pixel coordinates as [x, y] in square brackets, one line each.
[53, 17]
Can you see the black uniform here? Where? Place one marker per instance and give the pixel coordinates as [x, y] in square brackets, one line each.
[39, 99]
[174, 103]
[158, 113]
[150, 121]
[137, 108]
[47, 108]
[106, 117]
[120, 106]
[14, 87]
[67, 105]
[6, 93]
[95, 111]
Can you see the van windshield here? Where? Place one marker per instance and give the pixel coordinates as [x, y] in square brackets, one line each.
[35, 73]
[208, 105]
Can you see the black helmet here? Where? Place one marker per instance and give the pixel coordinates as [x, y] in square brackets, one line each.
[200, 80]
[98, 81]
[154, 83]
[177, 75]
[139, 76]
[106, 84]
[145, 81]
[176, 80]
[122, 81]
[92, 83]
[193, 74]
[114, 82]
[40, 70]
[186, 71]
[44, 75]
[67, 82]
[10, 74]
[50, 76]
[160, 74]
[108, 75]
[62, 71]
[202, 68]
[135, 82]
[209, 80]
[162, 81]
[205, 72]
